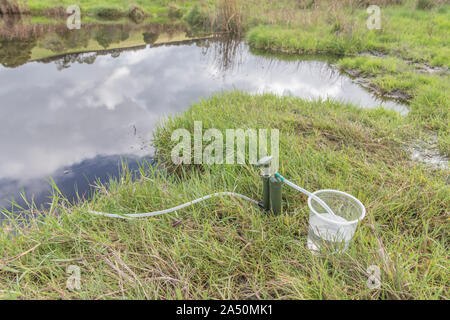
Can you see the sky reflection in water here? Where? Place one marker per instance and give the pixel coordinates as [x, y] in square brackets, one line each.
[74, 124]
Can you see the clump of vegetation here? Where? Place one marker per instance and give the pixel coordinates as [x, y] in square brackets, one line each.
[195, 18]
[424, 4]
[228, 16]
[13, 7]
[14, 53]
[108, 13]
[136, 13]
[150, 37]
[174, 12]
[9, 7]
[107, 35]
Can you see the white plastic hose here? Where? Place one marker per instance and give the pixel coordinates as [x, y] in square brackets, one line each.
[233, 194]
[309, 194]
[181, 206]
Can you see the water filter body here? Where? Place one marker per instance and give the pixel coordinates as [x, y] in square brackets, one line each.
[275, 194]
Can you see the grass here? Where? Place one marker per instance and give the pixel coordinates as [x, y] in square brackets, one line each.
[111, 8]
[225, 248]
[412, 39]
[405, 32]
[228, 249]
[428, 94]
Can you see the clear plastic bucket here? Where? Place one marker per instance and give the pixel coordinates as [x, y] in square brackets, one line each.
[334, 232]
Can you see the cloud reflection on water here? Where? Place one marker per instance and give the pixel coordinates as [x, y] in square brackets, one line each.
[58, 118]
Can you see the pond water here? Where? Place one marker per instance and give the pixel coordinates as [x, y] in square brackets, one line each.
[72, 118]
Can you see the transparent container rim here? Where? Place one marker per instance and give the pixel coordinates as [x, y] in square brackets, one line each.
[320, 216]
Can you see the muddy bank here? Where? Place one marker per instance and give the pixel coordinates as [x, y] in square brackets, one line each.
[427, 152]
[365, 82]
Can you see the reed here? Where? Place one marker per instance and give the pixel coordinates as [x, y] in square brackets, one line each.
[12, 7]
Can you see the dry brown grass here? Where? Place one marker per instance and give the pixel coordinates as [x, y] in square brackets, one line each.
[12, 7]
[227, 16]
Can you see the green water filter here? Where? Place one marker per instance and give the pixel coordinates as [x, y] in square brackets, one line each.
[266, 191]
[275, 185]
